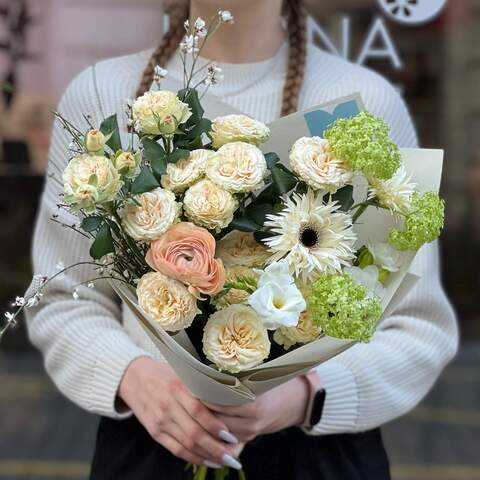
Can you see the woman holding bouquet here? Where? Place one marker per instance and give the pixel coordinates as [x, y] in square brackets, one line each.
[323, 425]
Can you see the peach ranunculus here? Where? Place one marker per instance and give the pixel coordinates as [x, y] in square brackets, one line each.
[186, 253]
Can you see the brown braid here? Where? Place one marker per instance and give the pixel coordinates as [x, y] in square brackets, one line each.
[297, 40]
[178, 13]
[297, 26]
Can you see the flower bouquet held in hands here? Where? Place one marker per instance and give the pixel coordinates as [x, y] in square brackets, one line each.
[244, 266]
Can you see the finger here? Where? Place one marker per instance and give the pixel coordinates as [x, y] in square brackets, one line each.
[244, 429]
[204, 417]
[177, 449]
[246, 410]
[196, 436]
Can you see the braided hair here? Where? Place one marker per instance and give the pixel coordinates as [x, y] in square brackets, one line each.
[296, 14]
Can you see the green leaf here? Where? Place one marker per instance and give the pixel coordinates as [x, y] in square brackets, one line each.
[90, 224]
[261, 235]
[244, 224]
[283, 180]
[145, 182]
[344, 196]
[271, 159]
[258, 212]
[178, 154]
[203, 126]
[109, 127]
[103, 243]
[190, 97]
[154, 153]
[267, 195]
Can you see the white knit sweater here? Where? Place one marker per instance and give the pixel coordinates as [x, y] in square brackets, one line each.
[86, 345]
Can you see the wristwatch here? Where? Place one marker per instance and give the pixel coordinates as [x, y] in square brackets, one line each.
[316, 400]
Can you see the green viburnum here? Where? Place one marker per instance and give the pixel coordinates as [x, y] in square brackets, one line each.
[422, 225]
[363, 143]
[343, 309]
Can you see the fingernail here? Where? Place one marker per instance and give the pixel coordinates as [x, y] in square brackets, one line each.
[228, 437]
[229, 461]
[209, 464]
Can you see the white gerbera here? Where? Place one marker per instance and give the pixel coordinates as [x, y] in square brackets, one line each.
[394, 193]
[312, 236]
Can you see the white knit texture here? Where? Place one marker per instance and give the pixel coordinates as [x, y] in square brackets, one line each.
[87, 349]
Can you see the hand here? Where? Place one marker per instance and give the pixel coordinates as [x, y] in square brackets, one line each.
[280, 408]
[173, 417]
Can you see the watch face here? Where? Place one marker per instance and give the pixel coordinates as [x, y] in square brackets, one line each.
[317, 407]
[412, 12]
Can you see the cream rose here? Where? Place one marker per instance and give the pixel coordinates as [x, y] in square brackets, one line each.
[167, 301]
[90, 180]
[127, 162]
[208, 205]
[235, 295]
[159, 113]
[234, 339]
[186, 172]
[305, 332]
[95, 142]
[241, 248]
[238, 128]
[237, 167]
[151, 216]
[313, 161]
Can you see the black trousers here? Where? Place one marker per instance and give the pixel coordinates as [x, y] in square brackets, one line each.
[125, 451]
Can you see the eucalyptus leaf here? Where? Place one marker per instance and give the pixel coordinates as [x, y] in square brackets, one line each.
[178, 154]
[283, 180]
[155, 154]
[103, 243]
[90, 224]
[109, 128]
[258, 212]
[244, 224]
[190, 97]
[344, 196]
[145, 182]
[272, 159]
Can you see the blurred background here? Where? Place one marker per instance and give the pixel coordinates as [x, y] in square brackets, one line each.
[436, 64]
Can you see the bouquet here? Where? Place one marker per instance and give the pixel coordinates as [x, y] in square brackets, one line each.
[245, 267]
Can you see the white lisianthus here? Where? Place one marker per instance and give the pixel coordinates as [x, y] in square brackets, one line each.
[90, 180]
[234, 339]
[127, 162]
[235, 273]
[186, 172]
[95, 142]
[151, 216]
[159, 113]
[385, 256]
[241, 248]
[313, 161]
[209, 206]
[277, 300]
[237, 167]
[369, 278]
[305, 332]
[238, 128]
[167, 301]
[395, 194]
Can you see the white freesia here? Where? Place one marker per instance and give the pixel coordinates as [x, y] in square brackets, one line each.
[368, 277]
[385, 256]
[238, 128]
[313, 161]
[237, 167]
[277, 300]
[151, 216]
[235, 339]
[395, 193]
[186, 172]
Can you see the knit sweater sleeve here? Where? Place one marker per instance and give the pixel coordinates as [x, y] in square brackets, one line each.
[85, 347]
[373, 383]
